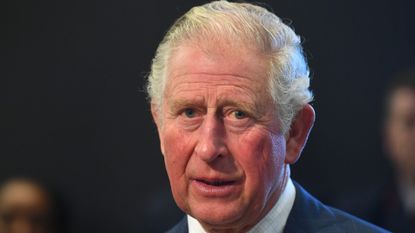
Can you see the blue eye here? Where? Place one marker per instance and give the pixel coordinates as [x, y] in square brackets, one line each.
[239, 114]
[189, 113]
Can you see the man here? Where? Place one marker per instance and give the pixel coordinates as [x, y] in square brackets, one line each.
[25, 207]
[392, 204]
[229, 95]
[396, 210]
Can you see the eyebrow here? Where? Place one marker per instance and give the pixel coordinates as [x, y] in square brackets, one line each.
[254, 109]
[177, 104]
[243, 105]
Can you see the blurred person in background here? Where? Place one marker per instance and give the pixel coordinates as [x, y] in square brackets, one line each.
[392, 203]
[25, 207]
[397, 208]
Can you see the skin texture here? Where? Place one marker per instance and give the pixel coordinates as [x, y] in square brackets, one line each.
[24, 208]
[400, 133]
[218, 124]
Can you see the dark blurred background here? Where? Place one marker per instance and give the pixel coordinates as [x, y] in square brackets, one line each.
[74, 115]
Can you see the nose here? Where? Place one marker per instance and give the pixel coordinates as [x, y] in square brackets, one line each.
[212, 139]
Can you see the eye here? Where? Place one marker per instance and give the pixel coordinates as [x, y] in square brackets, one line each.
[190, 113]
[239, 114]
[238, 120]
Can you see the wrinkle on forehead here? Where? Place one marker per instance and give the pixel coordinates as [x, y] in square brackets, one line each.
[217, 75]
[196, 81]
[206, 56]
[221, 86]
[218, 94]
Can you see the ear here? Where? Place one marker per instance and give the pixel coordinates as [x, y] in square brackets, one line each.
[155, 112]
[298, 134]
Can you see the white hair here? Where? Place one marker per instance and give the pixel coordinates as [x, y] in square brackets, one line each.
[253, 26]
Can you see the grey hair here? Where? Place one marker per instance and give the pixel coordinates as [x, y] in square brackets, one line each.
[253, 26]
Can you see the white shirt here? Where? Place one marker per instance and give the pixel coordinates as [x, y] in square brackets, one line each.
[274, 221]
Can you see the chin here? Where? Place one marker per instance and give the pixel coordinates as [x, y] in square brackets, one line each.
[220, 215]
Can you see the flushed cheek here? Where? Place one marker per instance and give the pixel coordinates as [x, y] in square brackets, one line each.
[177, 152]
[260, 149]
[261, 162]
[177, 147]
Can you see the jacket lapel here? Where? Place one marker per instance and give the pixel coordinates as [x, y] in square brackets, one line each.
[309, 215]
[180, 227]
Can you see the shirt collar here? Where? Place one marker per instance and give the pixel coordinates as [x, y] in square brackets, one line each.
[275, 219]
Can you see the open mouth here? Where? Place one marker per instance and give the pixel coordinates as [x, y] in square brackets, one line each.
[216, 182]
[216, 188]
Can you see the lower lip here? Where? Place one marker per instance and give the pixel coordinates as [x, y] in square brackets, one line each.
[213, 191]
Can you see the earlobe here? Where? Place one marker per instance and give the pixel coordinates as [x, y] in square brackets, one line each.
[297, 137]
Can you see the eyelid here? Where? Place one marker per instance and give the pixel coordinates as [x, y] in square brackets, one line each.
[194, 112]
[197, 111]
[238, 124]
[244, 114]
[232, 110]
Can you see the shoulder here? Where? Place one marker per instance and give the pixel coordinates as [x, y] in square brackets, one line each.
[310, 215]
[180, 227]
[354, 224]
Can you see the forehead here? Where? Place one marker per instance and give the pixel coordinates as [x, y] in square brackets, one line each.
[403, 99]
[22, 193]
[217, 60]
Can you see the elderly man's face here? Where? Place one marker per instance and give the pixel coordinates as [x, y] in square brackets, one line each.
[219, 133]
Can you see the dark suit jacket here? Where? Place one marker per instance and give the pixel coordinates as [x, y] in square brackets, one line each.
[309, 215]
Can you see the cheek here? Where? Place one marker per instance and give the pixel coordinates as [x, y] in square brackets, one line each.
[398, 142]
[177, 150]
[262, 157]
[263, 148]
